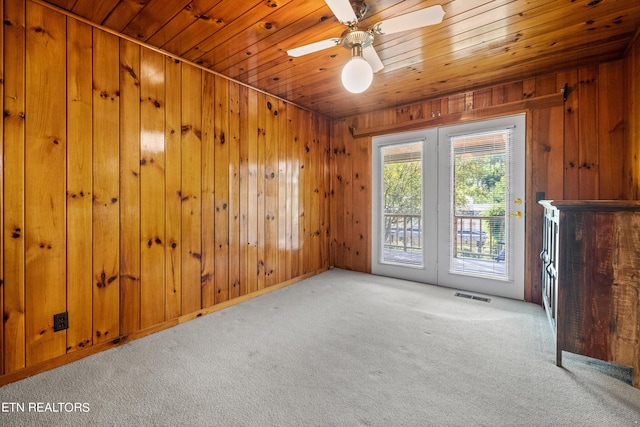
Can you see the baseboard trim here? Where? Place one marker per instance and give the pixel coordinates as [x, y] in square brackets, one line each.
[123, 339]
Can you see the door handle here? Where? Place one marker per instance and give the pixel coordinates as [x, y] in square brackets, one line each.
[517, 214]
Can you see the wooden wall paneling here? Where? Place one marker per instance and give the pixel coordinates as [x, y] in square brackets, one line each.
[567, 134]
[284, 210]
[529, 88]
[221, 214]
[544, 154]
[45, 189]
[243, 196]
[337, 195]
[498, 95]
[191, 129]
[293, 115]
[271, 192]
[571, 117]
[611, 131]
[79, 184]
[130, 215]
[364, 121]
[209, 109]
[362, 197]
[316, 192]
[152, 188]
[443, 107]
[403, 114]
[249, 138]
[173, 186]
[386, 116]
[106, 203]
[323, 195]
[123, 159]
[481, 99]
[313, 216]
[588, 165]
[2, 349]
[438, 107]
[312, 189]
[546, 85]
[13, 182]
[456, 103]
[426, 110]
[333, 209]
[306, 183]
[302, 192]
[233, 141]
[345, 173]
[513, 91]
[414, 111]
[261, 112]
[325, 199]
[390, 116]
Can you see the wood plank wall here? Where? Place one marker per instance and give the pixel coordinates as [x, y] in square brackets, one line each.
[575, 150]
[139, 191]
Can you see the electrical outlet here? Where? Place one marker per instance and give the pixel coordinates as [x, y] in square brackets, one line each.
[60, 321]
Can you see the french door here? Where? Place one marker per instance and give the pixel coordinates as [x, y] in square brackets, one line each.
[448, 206]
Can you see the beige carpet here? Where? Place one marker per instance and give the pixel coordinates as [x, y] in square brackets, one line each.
[339, 349]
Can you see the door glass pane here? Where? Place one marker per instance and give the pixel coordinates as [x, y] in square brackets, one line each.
[479, 235]
[402, 220]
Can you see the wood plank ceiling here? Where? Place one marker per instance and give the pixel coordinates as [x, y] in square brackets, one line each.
[479, 43]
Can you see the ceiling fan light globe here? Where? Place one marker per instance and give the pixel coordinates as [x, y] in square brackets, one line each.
[357, 75]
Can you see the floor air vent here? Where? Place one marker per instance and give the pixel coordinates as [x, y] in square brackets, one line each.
[475, 297]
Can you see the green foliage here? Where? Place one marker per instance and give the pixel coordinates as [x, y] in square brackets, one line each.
[496, 226]
[479, 179]
[403, 187]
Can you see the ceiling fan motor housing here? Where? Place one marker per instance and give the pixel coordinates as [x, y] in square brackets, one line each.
[355, 37]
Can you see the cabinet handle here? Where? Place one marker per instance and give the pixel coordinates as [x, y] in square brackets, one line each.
[544, 256]
[551, 270]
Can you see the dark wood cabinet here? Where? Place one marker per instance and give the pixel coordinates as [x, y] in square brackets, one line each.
[591, 279]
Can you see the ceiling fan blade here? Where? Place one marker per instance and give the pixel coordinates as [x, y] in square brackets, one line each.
[342, 10]
[410, 21]
[313, 47]
[371, 56]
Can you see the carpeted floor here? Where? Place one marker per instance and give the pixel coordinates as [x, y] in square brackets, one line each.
[339, 349]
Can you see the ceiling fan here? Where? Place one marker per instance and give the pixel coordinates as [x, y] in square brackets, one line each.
[357, 74]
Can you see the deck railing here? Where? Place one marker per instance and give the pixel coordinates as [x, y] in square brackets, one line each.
[403, 231]
[479, 237]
